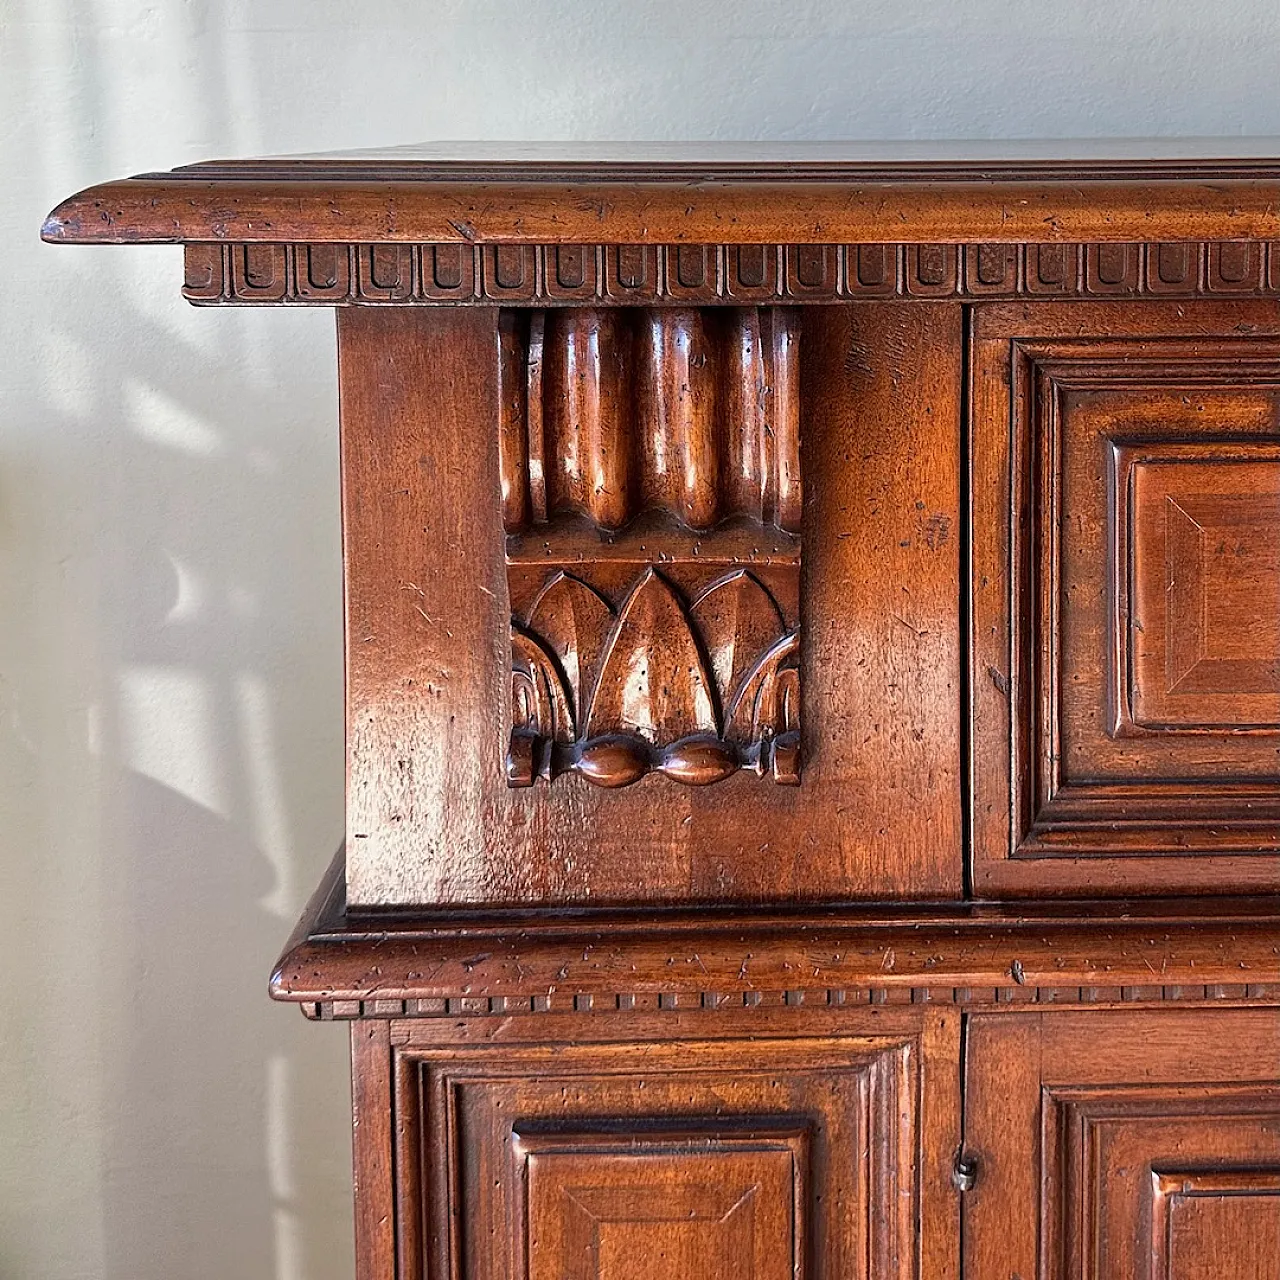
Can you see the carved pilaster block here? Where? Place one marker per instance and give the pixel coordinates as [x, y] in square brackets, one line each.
[650, 470]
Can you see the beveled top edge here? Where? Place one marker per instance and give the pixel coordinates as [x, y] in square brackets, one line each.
[802, 193]
[343, 953]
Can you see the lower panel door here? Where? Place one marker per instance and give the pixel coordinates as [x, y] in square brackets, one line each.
[820, 1156]
[1116, 1145]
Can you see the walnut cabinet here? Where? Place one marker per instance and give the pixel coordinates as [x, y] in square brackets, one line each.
[813, 701]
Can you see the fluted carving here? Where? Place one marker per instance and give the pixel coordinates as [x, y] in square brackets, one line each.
[608, 412]
[693, 690]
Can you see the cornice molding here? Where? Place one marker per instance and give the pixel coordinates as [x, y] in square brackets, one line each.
[345, 965]
[550, 275]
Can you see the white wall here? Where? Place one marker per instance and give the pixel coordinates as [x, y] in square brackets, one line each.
[170, 676]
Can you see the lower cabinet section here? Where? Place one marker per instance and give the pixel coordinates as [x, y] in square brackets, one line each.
[715, 1156]
[1114, 1145]
[854, 1142]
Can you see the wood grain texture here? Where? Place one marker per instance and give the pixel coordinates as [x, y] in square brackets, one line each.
[1201, 552]
[174, 208]
[373, 1149]
[881, 453]
[601, 1205]
[1082, 1123]
[1092, 772]
[1216, 950]
[1199, 1219]
[425, 626]
[431, 820]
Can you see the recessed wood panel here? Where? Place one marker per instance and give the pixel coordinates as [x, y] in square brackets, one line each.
[1124, 1144]
[717, 1205]
[1126, 599]
[1205, 1225]
[1203, 617]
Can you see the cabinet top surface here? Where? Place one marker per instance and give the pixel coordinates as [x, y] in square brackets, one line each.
[923, 160]
[724, 192]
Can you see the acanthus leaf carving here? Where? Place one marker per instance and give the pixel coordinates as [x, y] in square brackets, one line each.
[695, 693]
[653, 682]
[573, 619]
[767, 708]
[541, 711]
[540, 699]
[738, 621]
[767, 702]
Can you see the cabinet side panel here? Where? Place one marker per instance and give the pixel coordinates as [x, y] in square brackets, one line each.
[372, 1155]
[425, 625]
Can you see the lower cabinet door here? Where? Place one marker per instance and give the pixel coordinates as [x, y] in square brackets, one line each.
[1114, 1145]
[822, 1156]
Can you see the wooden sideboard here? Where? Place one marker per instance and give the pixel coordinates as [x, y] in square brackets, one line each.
[813, 700]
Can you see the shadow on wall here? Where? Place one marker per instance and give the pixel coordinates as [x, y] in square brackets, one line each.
[215, 734]
[170, 732]
[224, 1147]
[174, 734]
[225, 599]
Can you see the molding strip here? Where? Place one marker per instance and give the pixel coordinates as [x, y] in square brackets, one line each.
[704, 1001]
[331, 274]
[338, 966]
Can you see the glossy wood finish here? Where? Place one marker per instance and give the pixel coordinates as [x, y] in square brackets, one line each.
[1199, 1219]
[381, 202]
[373, 1148]
[610, 275]
[822, 1147]
[431, 819]
[346, 963]
[658, 651]
[942, 489]
[614, 692]
[1126, 657]
[1107, 1144]
[692, 412]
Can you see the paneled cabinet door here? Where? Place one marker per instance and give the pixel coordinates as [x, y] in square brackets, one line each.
[1121, 1146]
[826, 1156]
[1126, 598]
